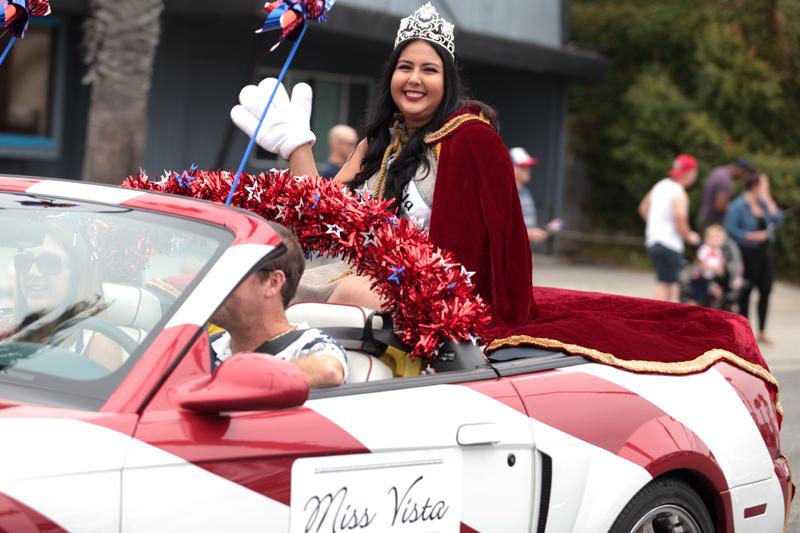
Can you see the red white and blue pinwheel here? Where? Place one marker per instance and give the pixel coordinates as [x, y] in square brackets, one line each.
[16, 14]
[14, 18]
[290, 16]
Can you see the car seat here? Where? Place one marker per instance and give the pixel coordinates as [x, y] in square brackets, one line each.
[136, 311]
[337, 319]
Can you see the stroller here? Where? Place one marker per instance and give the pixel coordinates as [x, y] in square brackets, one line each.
[730, 282]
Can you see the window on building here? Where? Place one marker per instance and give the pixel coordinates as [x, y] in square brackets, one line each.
[337, 100]
[27, 92]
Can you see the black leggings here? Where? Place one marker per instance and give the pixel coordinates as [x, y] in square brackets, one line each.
[759, 273]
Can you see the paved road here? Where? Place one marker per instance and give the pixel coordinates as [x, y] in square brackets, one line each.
[784, 328]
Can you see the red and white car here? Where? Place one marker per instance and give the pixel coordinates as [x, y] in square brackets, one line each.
[131, 431]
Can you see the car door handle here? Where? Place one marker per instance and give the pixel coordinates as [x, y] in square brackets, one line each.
[477, 434]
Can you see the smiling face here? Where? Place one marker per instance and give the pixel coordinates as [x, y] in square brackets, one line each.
[44, 275]
[417, 85]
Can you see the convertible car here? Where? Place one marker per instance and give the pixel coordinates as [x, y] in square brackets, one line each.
[111, 418]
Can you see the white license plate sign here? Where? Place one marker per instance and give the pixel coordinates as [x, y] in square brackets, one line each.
[407, 492]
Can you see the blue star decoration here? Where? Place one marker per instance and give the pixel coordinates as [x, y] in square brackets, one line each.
[397, 273]
[185, 180]
[316, 201]
[448, 291]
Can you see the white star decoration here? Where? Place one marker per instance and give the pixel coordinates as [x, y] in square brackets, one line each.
[467, 273]
[254, 191]
[444, 264]
[281, 215]
[369, 238]
[299, 208]
[334, 229]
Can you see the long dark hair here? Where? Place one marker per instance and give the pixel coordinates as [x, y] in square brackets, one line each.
[380, 118]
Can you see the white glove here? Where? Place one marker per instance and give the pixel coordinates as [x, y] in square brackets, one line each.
[288, 122]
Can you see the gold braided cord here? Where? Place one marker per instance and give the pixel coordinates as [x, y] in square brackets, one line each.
[696, 365]
[452, 125]
[399, 140]
[346, 273]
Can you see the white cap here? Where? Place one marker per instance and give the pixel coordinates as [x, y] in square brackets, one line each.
[521, 158]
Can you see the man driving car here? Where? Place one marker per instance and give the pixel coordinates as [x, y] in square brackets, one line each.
[254, 317]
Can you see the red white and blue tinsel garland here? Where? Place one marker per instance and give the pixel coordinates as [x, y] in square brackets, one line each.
[429, 294]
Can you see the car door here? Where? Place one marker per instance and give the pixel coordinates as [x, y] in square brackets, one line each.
[449, 452]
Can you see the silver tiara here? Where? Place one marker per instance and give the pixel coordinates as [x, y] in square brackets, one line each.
[425, 23]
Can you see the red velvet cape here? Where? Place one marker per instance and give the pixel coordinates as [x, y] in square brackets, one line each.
[477, 215]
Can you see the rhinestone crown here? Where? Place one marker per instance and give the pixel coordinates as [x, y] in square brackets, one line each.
[425, 23]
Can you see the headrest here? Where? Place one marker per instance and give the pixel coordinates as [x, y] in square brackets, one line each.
[131, 307]
[325, 315]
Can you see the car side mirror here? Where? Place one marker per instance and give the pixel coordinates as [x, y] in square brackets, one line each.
[246, 382]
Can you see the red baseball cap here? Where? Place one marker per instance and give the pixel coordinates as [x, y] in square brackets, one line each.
[521, 158]
[682, 165]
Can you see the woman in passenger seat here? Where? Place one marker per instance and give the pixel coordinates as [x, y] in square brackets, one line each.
[57, 280]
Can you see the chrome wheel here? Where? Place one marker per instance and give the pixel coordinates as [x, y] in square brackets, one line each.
[667, 519]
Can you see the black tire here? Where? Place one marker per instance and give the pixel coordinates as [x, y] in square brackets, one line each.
[673, 496]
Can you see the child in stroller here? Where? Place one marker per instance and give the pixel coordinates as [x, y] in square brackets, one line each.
[715, 276]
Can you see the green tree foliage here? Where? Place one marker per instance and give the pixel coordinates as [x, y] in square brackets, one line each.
[717, 79]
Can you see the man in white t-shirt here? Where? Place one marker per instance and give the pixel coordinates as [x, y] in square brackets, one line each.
[666, 210]
[254, 317]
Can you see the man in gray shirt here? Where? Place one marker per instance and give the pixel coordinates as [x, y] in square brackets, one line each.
[718, 191]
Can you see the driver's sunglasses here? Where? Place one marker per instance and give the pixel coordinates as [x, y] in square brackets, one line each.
[48, 263]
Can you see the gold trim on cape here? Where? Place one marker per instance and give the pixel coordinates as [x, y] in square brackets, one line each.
[453, 124]
[696, 365]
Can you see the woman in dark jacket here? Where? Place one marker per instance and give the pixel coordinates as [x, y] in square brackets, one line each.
[751, 220]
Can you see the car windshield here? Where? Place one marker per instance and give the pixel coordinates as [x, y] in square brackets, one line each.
[84, 289]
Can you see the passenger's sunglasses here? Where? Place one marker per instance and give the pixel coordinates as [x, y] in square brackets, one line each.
[48, 263]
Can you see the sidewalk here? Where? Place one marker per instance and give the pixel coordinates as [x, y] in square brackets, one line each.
[783, 323]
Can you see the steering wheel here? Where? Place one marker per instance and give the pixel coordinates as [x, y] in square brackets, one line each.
[100, 325]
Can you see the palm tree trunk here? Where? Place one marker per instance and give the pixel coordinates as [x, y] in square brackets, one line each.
[121, 40]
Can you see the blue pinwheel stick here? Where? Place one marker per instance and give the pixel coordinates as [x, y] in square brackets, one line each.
[252, 142]
[288, 16]
[8, 49]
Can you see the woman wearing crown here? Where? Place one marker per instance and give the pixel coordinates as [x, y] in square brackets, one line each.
[437, 154]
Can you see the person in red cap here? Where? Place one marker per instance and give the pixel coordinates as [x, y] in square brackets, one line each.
[666, 210]
[523, 163]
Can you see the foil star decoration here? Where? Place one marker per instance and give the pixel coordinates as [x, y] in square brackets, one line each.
[369, 237]
[316, 201]
[397, 274]
[254, 192]
[299, 208]
[449, 290]
[444, 264]
[334, 229]
[467, 273]
[281, 214]
[185, 180]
